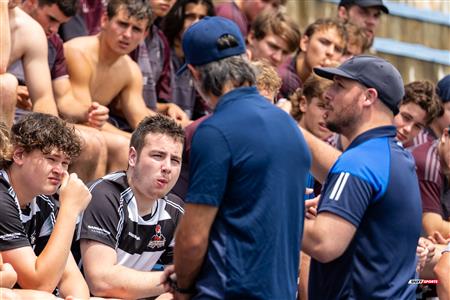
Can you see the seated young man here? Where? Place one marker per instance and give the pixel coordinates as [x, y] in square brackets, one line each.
[35, 236]
[130, 224]
[100, 69]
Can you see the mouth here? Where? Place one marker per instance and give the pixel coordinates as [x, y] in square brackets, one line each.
[123, 44]
[401, 137]
[162, 182]
[323, 126]
[54, 180]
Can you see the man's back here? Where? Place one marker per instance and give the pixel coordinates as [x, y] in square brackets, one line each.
[373, 186]
[257, 162]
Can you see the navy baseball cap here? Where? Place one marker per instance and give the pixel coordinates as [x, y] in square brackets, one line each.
[443, 88]
[372, 72]
[365, 3]
[200, 41]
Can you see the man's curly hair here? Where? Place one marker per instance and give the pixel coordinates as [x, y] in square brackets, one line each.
[45, 132]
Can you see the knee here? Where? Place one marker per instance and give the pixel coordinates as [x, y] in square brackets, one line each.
[8, 85]
[93, 143]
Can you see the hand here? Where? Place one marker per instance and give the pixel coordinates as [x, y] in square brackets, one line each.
[167, 276]
[23, 98]
[178, 115]
[437, 238]
[311, 208]
[8, 276]
[74, 195]
[421, 253]
[97, 115]
[444, 151]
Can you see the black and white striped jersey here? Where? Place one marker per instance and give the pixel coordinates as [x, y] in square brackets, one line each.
[29, 226]
[112, 219]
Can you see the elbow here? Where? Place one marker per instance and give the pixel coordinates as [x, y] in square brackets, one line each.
[325, 254]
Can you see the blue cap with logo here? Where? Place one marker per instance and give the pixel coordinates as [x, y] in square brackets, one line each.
[372, 72]
[200, 41]
[443, 88]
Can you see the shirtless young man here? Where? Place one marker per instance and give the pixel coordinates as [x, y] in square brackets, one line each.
[100, 69]
[23, 38]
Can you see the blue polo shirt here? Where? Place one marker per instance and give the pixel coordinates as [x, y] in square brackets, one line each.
[250, 160]
[373, 185]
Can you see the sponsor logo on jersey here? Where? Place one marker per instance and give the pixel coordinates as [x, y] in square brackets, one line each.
[158, 239]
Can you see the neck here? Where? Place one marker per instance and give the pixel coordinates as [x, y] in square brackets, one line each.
[106, 55]
[436, 128]
[144, 202]
[22, 189]
[302, 70]
[374, 119]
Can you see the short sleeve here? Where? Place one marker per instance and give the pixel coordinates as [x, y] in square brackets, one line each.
[12, 232]
[347, 196]
[210, 161]
[102, 217]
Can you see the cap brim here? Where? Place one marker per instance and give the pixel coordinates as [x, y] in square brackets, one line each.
[329, 73]
[181, 70]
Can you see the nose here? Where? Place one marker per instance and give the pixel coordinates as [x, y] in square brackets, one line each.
[371, 21]
[277, 57]
[166, 166]
[127, 32]
[53, 28]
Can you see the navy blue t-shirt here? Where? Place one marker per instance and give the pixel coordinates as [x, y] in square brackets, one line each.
[373, 185]
[250, 160]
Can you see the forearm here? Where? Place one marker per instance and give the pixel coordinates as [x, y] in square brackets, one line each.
[122, 282]
[323, 155]
[45, 105]
[5, 37]
[51, 263]
[72, 282]
[188, 257]
[72, 110]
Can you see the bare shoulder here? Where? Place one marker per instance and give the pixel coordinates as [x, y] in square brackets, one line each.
[83, 44]
[130, 66]
[26, 34]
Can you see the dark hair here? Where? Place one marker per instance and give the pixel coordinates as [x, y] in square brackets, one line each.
[155, 124]
[173, 22]
[45, 132]
[423, 93]
[67, 7]
[139, 9]
[5, 146]
[321, 24]
[279, 24]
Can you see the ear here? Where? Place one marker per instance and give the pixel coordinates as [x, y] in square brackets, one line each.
[371, 95]
[304, 43]
[132, 157]
[194, 72]
[342, 13]
[104, 20]
[18, 156]
[302, 104]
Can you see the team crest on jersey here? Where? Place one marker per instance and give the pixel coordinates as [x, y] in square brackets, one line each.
[158, 239]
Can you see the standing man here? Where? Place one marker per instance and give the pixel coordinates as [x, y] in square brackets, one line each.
[130, 223]
[240, 235]
[364, 13]
[363, 240]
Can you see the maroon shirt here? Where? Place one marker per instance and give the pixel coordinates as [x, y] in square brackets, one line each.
[231, 11]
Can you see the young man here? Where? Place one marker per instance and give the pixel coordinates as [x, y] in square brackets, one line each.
[22, 38]
[222, 247]
[434, 186]
[367, 189]
[321, 45]
[364, 13]
[130, 223]
[100, 69]
[35, 236]
[273, 37]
